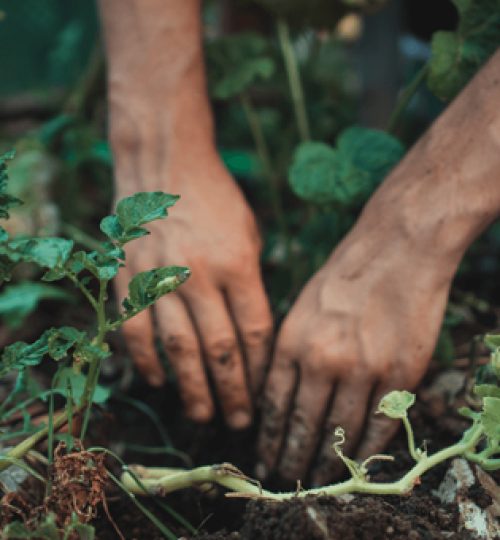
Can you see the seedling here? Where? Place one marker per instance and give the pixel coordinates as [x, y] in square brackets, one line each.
[78, 354]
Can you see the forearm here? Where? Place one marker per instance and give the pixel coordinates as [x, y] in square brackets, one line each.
[447, 189]
[156, 84]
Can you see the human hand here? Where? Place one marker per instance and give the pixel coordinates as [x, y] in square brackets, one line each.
[364, 325]
[219, 320]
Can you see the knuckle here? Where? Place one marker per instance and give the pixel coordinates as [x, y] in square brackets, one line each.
[221, 349]
[254, 337]
[179, 343]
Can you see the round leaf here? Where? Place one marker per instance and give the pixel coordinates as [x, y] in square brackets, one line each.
[395, 404]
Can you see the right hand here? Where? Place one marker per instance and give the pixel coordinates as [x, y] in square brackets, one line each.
[219, 321]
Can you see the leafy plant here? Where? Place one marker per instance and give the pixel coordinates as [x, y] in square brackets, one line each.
[456, 56]
[78, 353]
[348, 174]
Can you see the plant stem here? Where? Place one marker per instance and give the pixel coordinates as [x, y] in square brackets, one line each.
[81, 237]
[24, 446]
[264, 155]
[294, 81]
[405, 97]
[228, 477]
[414, 453]
[88, 295]
[95, 363]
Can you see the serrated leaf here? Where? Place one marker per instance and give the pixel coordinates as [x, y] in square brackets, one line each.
[143, 208]
[18, 301]
[61, 340]
[490, 418]
[147, 287]
[348, 174]
[236, 62]
[46, 252]
[20, 355]
[456, 56]
[135, 211]
[395, 404]
[102, 266]
[84, 352]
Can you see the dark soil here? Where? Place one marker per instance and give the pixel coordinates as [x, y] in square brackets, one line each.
[417, 517]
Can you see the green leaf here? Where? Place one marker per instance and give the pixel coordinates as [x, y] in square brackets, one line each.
[68, 377]
[18, 301]
[147, 287]
[492, 341]
[348, 174]
[456, 56]
[46, 252]
[60, 340]
[20, 355]
[236, 62]
[143, 208]
[395, 404]
[135, 211]
[85, 352]
[487, 390]
[103, 267]
[490, 418]
[46, 530]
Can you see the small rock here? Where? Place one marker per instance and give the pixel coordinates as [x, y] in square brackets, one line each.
[456, 487]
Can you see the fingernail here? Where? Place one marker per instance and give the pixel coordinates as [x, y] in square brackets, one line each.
[199, 412]
[240, 420]
[260, 471]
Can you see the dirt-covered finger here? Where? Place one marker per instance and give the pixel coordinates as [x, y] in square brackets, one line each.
[220, 349]
[276, 402]
[348, 410]
[252, 315]
[181, 345]
[139, 337]
[304, 425]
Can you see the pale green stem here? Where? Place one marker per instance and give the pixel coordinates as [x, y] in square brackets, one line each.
[25, 446]
[95, 363]
[228, 477]
[414, 453]
[88, 295]
[81, 237]
[294, 81]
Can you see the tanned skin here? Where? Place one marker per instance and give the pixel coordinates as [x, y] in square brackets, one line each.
[365, 324]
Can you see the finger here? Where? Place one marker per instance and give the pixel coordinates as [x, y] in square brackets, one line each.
[276, 403]
[252, 315]
[380, 429]
[139, 336]
[221, 351]
[305, 421]
[183, 351]
[348, 411]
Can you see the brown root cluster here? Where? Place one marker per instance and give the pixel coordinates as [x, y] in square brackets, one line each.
[77, 484]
